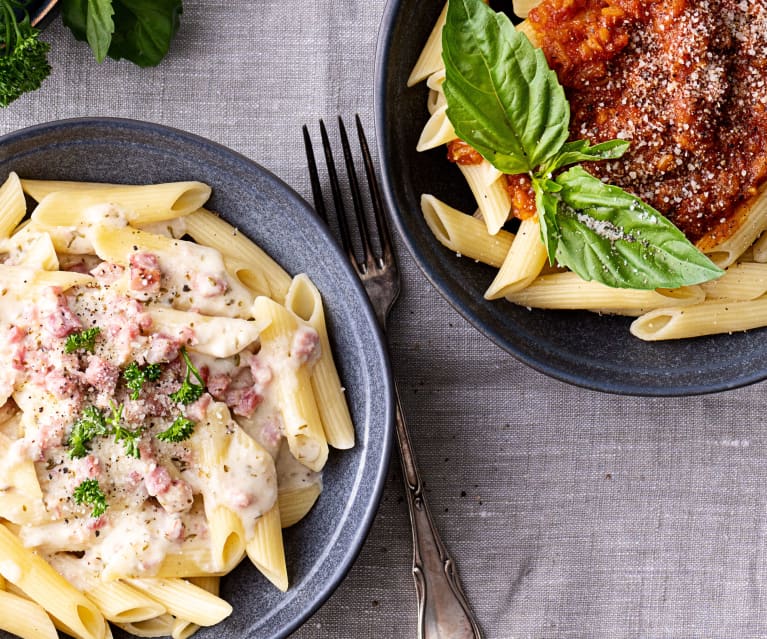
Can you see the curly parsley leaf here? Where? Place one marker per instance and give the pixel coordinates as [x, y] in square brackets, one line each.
[613, 237]
[82, 340]
[23, 56]
[91, 424]
[505, 102]
[189, 391]
[136, 376]
[89, 493]
[181, 429]
[129, 438]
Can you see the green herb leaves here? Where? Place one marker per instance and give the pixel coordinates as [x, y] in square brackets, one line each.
[90, 425]
[138, 30]
[189, 391]
[136, 376]
[611, 236]
[181, 429]
[502, 97]
[82, 340]
[89, 493]
[505, 102]
[23, 56]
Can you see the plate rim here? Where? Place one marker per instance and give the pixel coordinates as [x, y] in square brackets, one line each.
[368, 514]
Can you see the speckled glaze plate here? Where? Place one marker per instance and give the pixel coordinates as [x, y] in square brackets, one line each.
[321, 548]
[581, 348]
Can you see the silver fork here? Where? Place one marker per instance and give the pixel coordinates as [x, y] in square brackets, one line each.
[443, 611]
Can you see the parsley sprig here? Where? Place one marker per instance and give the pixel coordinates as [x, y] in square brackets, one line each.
[136, 376]
[82, 340]
[90, 425]
[129, 438]
[505, 101]
[189, 391]
[89, 493]
[181, 429]
[23, 56]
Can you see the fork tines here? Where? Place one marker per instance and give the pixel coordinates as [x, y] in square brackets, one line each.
[384, 235]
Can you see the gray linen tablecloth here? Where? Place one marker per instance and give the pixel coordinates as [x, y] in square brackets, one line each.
[570, 513]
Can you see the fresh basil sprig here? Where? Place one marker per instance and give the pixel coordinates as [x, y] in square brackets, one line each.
[138, 30]
[505, 101]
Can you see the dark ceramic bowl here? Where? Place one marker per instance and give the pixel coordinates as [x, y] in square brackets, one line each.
[42, 12]
[582, 348]
[322, 547]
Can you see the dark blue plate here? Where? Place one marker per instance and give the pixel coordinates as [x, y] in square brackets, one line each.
[41, 12]
[582, 348]
[321, 548]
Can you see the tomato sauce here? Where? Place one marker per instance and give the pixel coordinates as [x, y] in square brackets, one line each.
[685, 81]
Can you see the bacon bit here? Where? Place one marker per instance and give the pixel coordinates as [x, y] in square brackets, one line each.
[261, 372]
[60, 385]
[243, 401]
[174, 530]
[199, 409]
[157, 480]
[217, 385]
[102, 375]
[62, 321]
[522, 196]
[162, 349]
[92, 466]
[461, 153]
[240, 500]
[145, 272]
[305, 346]
[177, 497]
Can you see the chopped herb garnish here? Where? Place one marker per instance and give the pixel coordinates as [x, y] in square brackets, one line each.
[136, 376]
[128, 437]
[82, 340]
[181, 429]
[90, 425]
[89, 493]
[189, 391]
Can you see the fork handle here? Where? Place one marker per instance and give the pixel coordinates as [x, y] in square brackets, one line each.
[443, 612]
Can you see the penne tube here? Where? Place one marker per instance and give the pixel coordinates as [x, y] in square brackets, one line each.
[751, 219]
[708, 318]
[145, 203]
[13, 206]
[465, 234]
[185, 600]
[437, 131]
[300, 415]
[304, 300]
[430, 59]
[182, 628]
[568, 291]
[214, 336]
[209, 229]
[492, 197]
[741, 281]
[522, 264]
[295, 503]
[24, 618]
[266, 549]
[37, 579]
[522, 7]
[161, 626]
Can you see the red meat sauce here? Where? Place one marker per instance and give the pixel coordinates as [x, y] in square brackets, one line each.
[685, 81]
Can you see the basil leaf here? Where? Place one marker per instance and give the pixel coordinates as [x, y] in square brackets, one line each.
[580, 151]
[502, 97]
[91, 21]
[547, 205]
[610, 236]
[145, 29]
